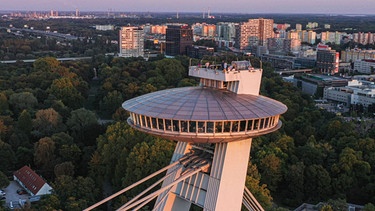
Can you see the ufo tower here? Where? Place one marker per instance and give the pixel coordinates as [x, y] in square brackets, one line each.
[213, 124]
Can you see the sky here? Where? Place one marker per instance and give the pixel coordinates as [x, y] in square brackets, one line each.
[215, 6]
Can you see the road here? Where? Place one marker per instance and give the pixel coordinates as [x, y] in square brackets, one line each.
[33, 60]
[46, 33]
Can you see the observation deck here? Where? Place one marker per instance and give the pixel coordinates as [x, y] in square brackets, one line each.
[225, 107]
[240, 77]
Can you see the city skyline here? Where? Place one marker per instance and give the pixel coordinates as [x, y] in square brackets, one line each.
[364, 7]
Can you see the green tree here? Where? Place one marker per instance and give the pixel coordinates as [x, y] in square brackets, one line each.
[24, 123]
[47, 122]
[146, 158]
[4, 105]
[294, 176]
[81, 122]
[317, 183]
[24, 155]
[44, 153]
[326, 207]
[22, 101]
[65, 168]
[46, 64]
[270, 169]
[70, 152]
[338, 204]
[75, 194]
[171, 70]
[260, 191]
[64, 90]
[111, 147]
[369, 207]
[50, 202]
[4, 182]
[7, 157]
[111, 102]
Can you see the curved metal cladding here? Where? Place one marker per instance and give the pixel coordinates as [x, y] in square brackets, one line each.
[204, 115]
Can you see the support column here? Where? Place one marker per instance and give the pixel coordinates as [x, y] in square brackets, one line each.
[168, 201]
[228, 174]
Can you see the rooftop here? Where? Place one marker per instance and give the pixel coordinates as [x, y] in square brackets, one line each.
[202, 103]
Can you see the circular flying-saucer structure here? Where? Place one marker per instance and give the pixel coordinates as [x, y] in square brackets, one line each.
[204, 114]
[222, 115]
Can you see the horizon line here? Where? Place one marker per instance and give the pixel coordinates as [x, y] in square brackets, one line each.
[192, 12]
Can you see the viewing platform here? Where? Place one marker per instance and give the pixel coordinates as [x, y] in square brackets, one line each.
[240, 77]
[225, 107]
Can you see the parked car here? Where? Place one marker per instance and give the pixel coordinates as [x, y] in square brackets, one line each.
[3, 198]
[2, 193]
[11, 205]
[21, 191]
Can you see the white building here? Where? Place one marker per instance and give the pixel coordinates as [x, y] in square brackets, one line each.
[131, 42]
[105, 27]
[366, 66]
[338, 94]
[357, 92]
[31, 181]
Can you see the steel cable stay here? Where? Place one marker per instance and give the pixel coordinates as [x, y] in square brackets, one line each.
[158, 192]
[250, 201]
[185, 159]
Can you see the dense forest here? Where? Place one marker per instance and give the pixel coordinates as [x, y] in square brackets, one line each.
[68, 125]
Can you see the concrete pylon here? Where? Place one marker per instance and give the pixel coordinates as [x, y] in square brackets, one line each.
[222, 189]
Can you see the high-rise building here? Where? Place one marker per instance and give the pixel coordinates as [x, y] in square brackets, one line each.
[356, 54]
[311, 37]
[204, 29]
[131, 42]
[327, 60]
[292, 45]
[283, 46]
[158, 29]
[178, 38]
[226, 31]
[254, 32]
[293, 35]
[275, 45]
[208, 30]
[298, 27]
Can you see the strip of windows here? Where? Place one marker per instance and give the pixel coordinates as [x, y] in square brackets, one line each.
[204, 127]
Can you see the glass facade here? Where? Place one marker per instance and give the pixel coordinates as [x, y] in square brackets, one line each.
[204, 127]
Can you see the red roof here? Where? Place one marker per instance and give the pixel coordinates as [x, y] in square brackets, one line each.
[321, 46]
[32, 181]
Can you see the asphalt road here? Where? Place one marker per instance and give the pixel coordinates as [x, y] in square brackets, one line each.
[11, 194]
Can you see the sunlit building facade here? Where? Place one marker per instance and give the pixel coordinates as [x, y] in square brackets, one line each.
[253, 33]
[131, 42]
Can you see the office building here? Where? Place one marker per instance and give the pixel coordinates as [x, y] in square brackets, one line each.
[357, 92]
[366, 66]
[226, 31]
[178, 38]
[314, 84]
[327, 60]
[131, 42]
